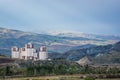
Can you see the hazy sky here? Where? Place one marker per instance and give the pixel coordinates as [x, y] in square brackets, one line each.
[88, 16]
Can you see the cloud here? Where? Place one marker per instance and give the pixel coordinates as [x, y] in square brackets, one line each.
[92, 16]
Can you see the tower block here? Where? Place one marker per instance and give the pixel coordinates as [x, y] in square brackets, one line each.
[29, 52]
[15, 52]
[43, 55]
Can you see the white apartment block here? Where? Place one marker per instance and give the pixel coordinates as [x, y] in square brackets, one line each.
[29, 52]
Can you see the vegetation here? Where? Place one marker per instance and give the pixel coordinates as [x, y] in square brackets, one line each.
[89, 78]
[57, 67]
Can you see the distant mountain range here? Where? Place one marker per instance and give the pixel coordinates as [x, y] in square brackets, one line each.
[83, 35]
[56, 43]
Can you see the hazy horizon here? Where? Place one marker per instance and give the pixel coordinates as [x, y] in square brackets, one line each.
[88, 16]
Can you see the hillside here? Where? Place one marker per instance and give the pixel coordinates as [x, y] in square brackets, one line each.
[77, 54]
[111, 57]
[109, 54]
[55, 43]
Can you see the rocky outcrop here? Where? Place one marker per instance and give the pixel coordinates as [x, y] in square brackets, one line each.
[84, 61]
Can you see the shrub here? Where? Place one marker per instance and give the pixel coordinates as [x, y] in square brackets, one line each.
[89, 78]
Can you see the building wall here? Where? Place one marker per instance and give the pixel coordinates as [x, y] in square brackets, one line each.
[43, 55]
[15, 52]
[23, 53]
[28, 52]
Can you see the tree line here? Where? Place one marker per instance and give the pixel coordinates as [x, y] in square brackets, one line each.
[55, 68]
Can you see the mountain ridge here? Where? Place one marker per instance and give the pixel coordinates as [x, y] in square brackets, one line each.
[84, 35]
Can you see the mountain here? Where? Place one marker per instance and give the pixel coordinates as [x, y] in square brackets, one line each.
[9, 38]
[54, 43]
[116, 47]
[77, 54]
[83, 46]
[108, 54]
[83, 35]
[111, 57]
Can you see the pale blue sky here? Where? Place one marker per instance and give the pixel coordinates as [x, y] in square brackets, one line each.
[88, 16]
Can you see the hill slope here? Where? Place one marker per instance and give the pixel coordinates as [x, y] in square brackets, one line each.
[109, 54]
[111, 57]
[77, 54]
[60, 44]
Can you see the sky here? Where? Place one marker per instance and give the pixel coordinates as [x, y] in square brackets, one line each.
[87, 16]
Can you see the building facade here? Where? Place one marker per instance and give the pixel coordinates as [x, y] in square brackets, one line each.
[29, 52]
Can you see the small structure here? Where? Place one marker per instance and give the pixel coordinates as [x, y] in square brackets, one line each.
[29, 52]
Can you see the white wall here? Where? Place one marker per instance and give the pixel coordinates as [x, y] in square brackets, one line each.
[15, 54]
[30, 53]
[43, 55]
